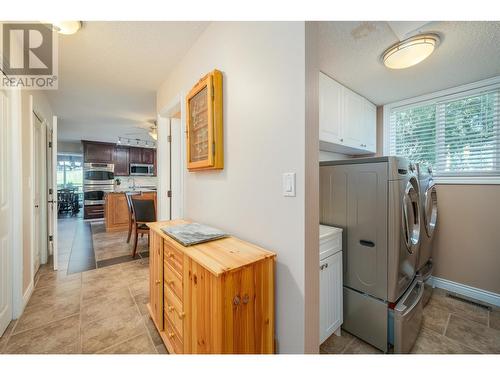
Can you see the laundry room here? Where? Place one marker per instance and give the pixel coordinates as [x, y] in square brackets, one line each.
[408, 180]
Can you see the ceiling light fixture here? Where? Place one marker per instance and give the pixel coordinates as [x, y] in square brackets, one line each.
[153, 134]
[66, 27]
[410, 51]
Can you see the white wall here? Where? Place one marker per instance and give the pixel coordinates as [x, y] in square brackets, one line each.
[263, 64]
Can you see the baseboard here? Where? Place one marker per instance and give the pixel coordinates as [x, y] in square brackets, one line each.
[465, 290]
[27, 294]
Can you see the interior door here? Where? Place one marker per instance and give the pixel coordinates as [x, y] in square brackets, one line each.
[5, 215]
[52, 192]
[37, 192]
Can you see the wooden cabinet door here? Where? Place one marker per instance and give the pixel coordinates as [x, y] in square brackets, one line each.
[156, 279]
[117, 209]
[121, 161]
[330, 110]
[330, 286]
[148, 156]
[95, 152]
[135, 155]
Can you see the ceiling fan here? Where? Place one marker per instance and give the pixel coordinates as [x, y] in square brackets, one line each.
[150, 127]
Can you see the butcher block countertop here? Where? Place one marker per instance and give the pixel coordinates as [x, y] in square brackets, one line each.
[219, 256]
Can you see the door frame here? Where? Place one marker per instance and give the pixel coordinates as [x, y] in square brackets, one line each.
[16, 185]
[43, 212]
[163, 154]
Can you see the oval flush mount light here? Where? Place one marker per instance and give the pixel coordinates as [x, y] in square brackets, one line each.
[66, 27]
[410, 51]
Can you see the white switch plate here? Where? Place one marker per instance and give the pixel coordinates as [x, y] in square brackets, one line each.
[289, 184]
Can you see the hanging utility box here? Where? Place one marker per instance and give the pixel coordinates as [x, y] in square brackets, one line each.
[205, 149]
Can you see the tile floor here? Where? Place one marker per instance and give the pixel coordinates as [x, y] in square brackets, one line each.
[98, 311]
[450, 326]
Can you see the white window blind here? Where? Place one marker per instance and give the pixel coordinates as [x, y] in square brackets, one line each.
[458, 135]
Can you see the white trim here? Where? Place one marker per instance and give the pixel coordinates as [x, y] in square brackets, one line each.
[28, 293]
[485, 180]
[466, 290]
[17, 205]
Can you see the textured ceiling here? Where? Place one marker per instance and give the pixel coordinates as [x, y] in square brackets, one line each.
[109, 73]
[350, 53]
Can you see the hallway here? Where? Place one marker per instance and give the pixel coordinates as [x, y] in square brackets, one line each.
[102, 310]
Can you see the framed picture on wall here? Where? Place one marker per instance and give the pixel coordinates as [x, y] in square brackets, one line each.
[204, 124]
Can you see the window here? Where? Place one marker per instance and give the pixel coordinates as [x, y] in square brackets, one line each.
[458, 134]
[69, 172]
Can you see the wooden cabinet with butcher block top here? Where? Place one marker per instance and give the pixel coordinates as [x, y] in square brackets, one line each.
[211, 298]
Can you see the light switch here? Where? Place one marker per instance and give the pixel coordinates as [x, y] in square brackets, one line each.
[289, 184]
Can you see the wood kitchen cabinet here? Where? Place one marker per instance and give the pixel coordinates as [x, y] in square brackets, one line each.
[140, 155]
[98, 152]
[347, 121]
[116, 210]
[121, 160]
[215, 297]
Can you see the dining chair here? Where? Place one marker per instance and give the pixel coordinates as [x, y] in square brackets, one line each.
[130, 213]
[144, 212]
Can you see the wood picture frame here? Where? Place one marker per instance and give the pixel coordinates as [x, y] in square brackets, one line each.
[204, 124]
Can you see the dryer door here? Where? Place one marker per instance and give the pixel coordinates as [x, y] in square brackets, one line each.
[411, 217]
[430, 209]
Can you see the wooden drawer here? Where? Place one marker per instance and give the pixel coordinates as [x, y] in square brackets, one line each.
[173, 337]
[173, 280]
[174, 258]
[173, 310]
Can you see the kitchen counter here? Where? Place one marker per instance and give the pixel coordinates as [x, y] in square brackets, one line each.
[116, 213]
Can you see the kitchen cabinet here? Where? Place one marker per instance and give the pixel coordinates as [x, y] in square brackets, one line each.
[347, 121]
[119, 155]
[98, 152]
[222, 304]
[140, 155]
[116, 210]
[330, 282]
[93, 211]
[121, 160]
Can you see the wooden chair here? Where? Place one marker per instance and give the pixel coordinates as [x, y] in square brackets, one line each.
[144, 212]
[130, 213]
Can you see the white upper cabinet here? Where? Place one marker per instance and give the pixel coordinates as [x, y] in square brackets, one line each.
[347, 121]
[330, 109]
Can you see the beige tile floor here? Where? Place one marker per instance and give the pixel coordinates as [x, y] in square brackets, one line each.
[97, 311]
[450, 326]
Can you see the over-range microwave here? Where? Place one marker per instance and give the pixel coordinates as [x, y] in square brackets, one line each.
[142, 169]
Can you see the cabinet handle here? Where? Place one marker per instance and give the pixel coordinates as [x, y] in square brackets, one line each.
[326, 265]
[236, 300]
[322, 267]
[170, 282]
[245, 299]
[181, 314]
[341, 139]
[170, 255]
[171, 334]
[170, 308]
[158, 282]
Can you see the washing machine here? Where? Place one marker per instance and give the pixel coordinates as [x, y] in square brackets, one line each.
[428, 213]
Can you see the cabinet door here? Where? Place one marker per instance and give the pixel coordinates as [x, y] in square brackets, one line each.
[135, 155]
[121, 161]
[354, 116]
[370, 127]
[156, 279]
[98, 152]
[330, 295]
[330, 110]
[148, 156]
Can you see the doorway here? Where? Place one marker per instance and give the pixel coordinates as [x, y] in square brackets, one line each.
[171, 150]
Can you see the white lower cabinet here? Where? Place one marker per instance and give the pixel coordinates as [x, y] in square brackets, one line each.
[330, 296]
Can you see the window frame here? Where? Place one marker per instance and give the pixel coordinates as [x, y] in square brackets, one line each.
[438, 97]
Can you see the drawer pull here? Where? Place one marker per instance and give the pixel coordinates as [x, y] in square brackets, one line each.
[158, 282]
[181, 315]
[245, 299]
[170, 282]
[170, 254]
[171, 334]
[236, 300]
